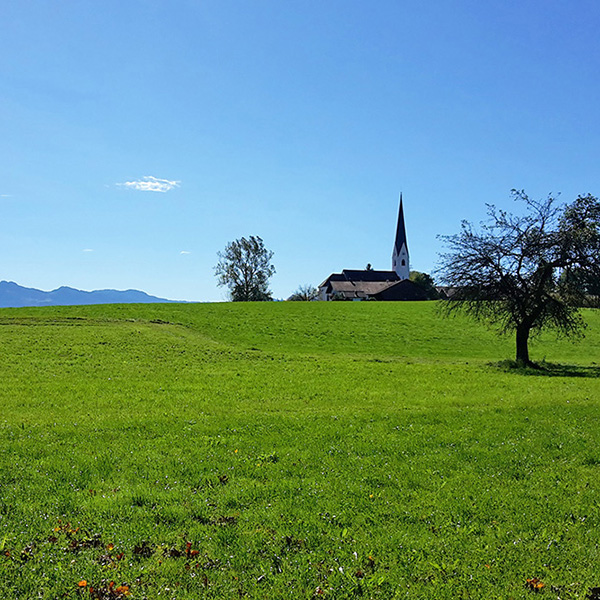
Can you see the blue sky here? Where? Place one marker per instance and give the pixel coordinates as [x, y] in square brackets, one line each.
[298, 121]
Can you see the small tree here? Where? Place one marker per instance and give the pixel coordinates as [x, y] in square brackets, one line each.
[306, 293]
[245, 268]
[525, 273]
[426, 283]
[584, 281]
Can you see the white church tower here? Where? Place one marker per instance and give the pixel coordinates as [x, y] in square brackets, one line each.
[400, 253]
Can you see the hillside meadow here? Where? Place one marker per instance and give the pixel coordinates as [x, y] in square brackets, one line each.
[293, 450]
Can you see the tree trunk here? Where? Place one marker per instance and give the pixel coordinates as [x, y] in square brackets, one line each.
[522, 344]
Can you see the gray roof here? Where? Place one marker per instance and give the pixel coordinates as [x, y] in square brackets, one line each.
[370, 275]
[382, 290]
[362, 275]
[358, 289]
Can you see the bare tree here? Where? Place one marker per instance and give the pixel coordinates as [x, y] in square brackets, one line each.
[306, 293]
[518, 272]
[245, 268]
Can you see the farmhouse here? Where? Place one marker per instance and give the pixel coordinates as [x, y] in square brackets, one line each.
[369, 284]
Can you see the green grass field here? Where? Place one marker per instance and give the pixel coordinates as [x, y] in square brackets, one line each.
[293, 450]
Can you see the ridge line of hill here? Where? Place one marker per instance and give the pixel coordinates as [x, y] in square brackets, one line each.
[13, 295]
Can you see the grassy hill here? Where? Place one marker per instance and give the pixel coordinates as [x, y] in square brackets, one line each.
[292, 450]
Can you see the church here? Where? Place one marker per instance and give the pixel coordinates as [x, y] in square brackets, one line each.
[369, 284]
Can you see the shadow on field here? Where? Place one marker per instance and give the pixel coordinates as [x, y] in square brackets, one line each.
[545, 369]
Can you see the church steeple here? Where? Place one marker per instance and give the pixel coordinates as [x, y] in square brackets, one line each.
[400, 253]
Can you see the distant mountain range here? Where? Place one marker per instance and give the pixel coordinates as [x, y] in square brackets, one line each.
[14, 296]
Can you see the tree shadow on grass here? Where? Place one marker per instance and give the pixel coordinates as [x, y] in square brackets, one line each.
[546, 369]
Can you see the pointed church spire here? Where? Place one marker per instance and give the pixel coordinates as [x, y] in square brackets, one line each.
[401, 229]
[400, 253]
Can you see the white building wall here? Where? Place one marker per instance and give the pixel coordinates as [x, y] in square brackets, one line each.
[400, 263]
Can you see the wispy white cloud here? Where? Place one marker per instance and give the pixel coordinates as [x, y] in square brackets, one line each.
[151, 184]
[87, 250]
[184, 252]
[5, 195]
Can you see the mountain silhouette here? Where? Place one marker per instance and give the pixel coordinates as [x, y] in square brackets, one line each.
[14, 296]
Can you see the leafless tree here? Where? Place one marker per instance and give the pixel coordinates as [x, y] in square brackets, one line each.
[306, 293]
[518, 272]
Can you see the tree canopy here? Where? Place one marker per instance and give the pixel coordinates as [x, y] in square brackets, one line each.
[245, 268]
[426, 283]
[526, 273]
